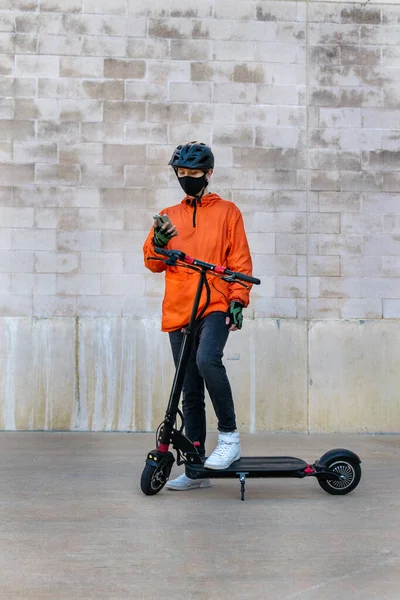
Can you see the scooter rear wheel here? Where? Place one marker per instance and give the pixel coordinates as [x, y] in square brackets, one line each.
[351, 472]
[154, 478]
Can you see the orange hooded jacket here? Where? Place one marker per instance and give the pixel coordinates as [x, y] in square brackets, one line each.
[211, 231]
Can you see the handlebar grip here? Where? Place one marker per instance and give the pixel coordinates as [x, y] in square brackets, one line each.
[161, 251]
[247, 278]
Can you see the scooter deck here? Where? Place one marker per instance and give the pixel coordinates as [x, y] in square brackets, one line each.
[252, 466]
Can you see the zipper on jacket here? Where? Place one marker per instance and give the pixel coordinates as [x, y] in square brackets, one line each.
[193, 204]
[194, 212]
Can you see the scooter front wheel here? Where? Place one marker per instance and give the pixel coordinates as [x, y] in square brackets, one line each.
[350, 472]
[154, 478]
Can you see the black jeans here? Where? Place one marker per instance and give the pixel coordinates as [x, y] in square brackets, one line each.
[205, 366]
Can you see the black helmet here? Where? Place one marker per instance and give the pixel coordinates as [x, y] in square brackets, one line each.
[194, 155]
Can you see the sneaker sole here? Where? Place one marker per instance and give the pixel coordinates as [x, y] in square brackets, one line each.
[203, 485]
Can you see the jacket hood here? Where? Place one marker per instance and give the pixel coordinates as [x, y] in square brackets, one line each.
[207, 200]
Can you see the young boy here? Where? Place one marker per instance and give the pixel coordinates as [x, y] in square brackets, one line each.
[211, 229]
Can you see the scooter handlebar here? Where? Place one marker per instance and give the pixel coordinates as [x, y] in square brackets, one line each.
[179, 255]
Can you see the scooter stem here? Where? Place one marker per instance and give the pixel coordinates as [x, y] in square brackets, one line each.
[188, 334]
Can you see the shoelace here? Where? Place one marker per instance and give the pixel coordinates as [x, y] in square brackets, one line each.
[223, 448]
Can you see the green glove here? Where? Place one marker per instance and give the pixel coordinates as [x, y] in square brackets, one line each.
[161, 237]
[235, 314]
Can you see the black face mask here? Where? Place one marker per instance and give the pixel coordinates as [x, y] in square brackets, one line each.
[193, 185]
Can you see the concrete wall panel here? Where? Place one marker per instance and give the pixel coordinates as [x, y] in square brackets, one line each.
[37, 374]
[354, 376]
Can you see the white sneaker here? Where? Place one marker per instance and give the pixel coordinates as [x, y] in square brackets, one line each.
[226, 452]
[183, 482]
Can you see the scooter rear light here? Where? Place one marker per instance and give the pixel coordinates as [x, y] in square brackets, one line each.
[308, 470]
[196, 444]
[163, 447]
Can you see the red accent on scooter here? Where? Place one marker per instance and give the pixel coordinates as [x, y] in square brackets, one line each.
[189, 260]
[308, 470]
[220, 270]
[163, 447]
[196, 444]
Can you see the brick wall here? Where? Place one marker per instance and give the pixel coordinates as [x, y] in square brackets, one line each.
[299, 100]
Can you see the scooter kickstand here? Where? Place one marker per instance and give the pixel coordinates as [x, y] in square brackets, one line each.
[242, 479]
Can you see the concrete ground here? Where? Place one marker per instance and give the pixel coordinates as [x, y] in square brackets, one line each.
[75, 525]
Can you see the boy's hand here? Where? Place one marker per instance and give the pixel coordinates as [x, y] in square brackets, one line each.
[234, 315]
[162, 235]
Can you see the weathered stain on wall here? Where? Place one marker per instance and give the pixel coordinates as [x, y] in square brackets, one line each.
[37, 373]
[300, 101]
[339, 376]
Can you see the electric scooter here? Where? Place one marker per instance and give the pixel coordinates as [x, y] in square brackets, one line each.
[338, 471]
